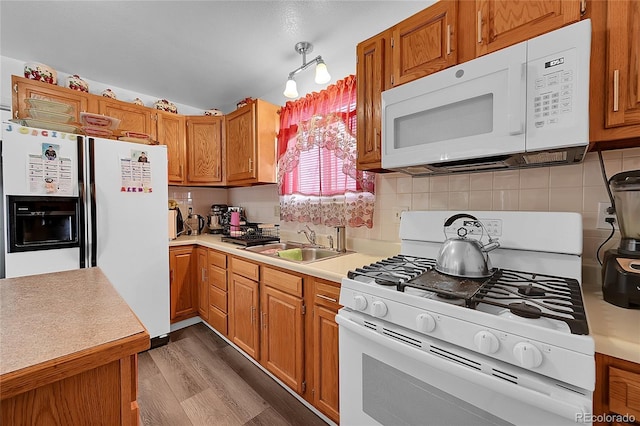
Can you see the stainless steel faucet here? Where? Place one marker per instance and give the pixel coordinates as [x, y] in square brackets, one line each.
[310, 234]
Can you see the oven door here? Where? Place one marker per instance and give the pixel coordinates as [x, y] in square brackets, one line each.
[402, 378]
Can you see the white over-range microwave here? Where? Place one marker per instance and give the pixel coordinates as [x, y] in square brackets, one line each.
[523, 106]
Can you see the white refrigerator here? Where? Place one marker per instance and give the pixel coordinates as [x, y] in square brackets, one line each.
[122, 214]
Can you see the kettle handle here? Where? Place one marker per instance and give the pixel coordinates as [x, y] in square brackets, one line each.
[200, 223]
[455, 217]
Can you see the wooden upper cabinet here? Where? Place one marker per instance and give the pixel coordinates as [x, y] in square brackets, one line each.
[614, 87]
[204, 150]
[171, 133]
[23, 89]
[133, 118]
[425, 43]
[370, 74]
[502, 23]
[251, 133]
[623, 64]
[418, 46]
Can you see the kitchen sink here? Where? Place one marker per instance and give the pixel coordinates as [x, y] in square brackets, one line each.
[309, 253]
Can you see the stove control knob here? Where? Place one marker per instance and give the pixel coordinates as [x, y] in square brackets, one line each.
[527, 355]
[378, 309]
[361, 302]
[425, 323]
[486, 342]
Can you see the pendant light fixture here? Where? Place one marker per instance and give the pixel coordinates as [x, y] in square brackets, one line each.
[322, 74]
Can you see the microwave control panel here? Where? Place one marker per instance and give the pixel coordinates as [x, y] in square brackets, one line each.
[553, 82]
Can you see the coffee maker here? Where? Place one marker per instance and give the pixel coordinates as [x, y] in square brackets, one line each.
[216, 218]
[621, 267]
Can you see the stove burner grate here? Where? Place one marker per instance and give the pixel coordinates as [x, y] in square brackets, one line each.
[525, 293]
[395, 270]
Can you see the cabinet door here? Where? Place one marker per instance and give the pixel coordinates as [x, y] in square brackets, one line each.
[370, 74]
[184, 291]
[502, 23]
[203, 283]
[241, 144]
[425, 43]
[623, 64]
[132, 117]
[325, 362]
[282, 337]
[171, 133]
[243, 314]
[24, 88]
[204, 150]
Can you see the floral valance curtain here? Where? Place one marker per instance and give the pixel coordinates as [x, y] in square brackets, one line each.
[317, 177]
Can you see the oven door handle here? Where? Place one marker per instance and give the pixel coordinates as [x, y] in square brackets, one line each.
[540, 400]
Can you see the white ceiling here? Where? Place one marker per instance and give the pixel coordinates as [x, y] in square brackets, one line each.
[206, 54]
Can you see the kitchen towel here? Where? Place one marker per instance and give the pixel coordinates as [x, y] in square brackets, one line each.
[291, 254]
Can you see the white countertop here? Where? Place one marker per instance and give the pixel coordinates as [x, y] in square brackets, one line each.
[615, 330]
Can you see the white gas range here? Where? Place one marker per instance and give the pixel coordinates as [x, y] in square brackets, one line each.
[420, 347]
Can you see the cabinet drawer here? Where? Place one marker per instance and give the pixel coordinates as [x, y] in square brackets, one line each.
[244, 268]
[288, 283]
[218, 320]
[624, 392]
[218, 277]
[217, 259]
[218, 298]
[327, 295]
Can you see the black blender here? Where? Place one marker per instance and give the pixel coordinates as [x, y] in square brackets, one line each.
[621, 267]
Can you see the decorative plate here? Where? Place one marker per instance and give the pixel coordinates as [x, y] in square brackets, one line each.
[99, 132]
[48, 125]
[96, 120]
[49, 106]
[55, 117]
[165, 105]
[138, 101]
[40, 72]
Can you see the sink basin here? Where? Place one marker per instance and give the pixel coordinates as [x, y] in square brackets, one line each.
[309, 254]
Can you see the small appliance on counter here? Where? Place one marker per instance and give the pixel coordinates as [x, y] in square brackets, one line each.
[195, 223]
[621, 267]
[215, 220]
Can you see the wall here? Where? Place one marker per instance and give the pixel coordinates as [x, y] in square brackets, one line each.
[576, 188]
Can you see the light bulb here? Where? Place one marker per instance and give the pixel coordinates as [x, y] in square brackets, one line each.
[322, 75]
[291, 89]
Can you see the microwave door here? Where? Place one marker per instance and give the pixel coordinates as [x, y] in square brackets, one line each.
[469, 111]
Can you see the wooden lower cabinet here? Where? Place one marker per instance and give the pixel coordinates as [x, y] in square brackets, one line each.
[282, 336]
[203, 283]
[267, 319]
[243, 321]
[616, 399]
[183, 283]
[218, 296]
[98, 395]
[325, 389]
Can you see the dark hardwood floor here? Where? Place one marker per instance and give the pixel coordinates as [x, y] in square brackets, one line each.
[198, 379]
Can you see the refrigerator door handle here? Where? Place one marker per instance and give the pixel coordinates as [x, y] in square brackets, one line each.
[82, 203]
[94, 209]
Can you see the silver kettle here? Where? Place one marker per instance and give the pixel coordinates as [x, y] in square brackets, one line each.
[466, 257]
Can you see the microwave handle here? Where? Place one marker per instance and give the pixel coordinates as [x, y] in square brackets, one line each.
[516, 93]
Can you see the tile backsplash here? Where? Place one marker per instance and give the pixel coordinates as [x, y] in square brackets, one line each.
[575, 188]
